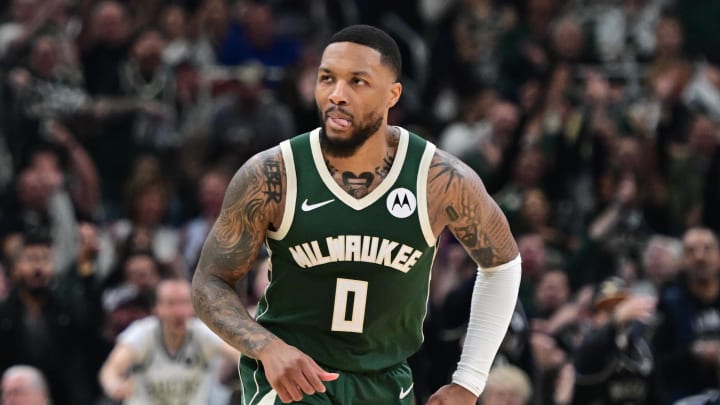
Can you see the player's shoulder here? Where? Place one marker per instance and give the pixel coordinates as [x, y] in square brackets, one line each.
[449, 169]
[141, 328]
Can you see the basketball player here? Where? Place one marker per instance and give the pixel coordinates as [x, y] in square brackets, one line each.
[350, 213]
[169, 358]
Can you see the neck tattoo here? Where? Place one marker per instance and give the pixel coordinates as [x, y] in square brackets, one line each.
[361, 184]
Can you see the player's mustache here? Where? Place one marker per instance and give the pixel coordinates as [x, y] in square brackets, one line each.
[340, 110]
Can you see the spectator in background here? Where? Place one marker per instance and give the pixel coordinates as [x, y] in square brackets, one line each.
[149, 85]
[28, 18]
[251, 121]
[185, 42]
[169, 357]
[148, 199]
[660, 264]
[537, 258]
[472, 125]
[687, 343]
[614, 364]
[106, 45]
[24, 385]
[506, 385]
[211, 191]
[688, 170]
[253, 38]
[44, 206]
[50, 88]
[491, 149]
[41, 328]
[535, 216]
[139, 277]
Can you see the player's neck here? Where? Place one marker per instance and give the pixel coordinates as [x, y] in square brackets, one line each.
[173, 341]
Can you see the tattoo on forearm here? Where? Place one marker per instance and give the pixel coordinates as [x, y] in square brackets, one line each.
[220, 306]
[230, 250]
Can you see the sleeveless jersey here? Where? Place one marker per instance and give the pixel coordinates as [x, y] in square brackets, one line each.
[161, 378]
[349, 277]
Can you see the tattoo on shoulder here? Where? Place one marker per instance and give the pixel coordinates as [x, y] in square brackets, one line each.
[273, 180]
[250, 196]
[474, 218]
[446, 172]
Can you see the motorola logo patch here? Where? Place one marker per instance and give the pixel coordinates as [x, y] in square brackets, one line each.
[401, 203]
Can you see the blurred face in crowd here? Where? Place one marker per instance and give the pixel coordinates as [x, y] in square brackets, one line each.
[89, 245]
[214, 17]
[31, 189]
[187, 81]
[669, 37]
[535, 209]
[532, 250]
[142, 272]
[628, 155]
[33, 268]
[660, 259]
[212, 191]
[44, 57]
[110, 23]
[529, 168]
[22, 388]
[701, 254]
[354, 91]
[174, 307]
[259, 25]
[568, 40]
[150, 206]
[24, 10]
[174, 21]
[147, 50]
[552, 291]
[504, 118]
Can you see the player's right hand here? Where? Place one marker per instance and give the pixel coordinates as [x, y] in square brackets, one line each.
[291, 372]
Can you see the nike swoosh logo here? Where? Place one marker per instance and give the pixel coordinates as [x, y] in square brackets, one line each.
[404, 393]
[309, 207]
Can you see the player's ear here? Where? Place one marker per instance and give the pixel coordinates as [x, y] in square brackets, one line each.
[395, 92]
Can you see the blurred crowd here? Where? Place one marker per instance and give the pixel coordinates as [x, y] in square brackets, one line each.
[595, 124]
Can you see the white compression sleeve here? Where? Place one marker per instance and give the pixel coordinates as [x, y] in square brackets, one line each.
[493, 302]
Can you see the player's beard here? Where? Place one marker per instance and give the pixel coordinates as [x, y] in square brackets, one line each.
[343, 148]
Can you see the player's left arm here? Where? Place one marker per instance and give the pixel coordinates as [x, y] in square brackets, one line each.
[458, 199]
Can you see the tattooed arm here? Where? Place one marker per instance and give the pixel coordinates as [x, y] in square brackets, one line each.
[460, 202]
[252, 205]
[252, 200]
[458, 199]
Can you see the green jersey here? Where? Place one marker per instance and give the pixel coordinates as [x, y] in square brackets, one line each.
[349, 277]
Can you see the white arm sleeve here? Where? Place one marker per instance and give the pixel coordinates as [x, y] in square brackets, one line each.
[493, 302]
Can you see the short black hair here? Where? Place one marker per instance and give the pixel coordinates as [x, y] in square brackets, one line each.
[374, 38]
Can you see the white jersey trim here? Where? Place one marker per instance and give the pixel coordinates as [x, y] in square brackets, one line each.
[290, 193]
[422, 183]
[269, 398]
[364, 202]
